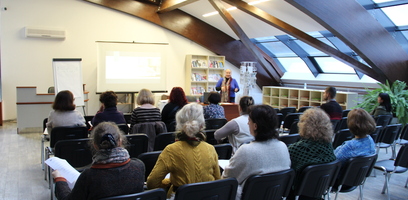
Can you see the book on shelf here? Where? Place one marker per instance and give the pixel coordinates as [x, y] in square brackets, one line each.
[198, 77]
[214, 77]
[198, 63]
[197, 90]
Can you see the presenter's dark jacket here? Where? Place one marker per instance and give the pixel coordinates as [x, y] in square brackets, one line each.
[110, 114]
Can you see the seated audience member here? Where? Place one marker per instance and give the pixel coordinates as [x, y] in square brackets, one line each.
[190, 159]
[64, 113]
[214, 111]
[361, 124]
[108, 111]
[332, 108]
[237, 130]
[264, 155]
[315, 145]
[112, 172]
[146, 112]
[177, 100]
[385, 107]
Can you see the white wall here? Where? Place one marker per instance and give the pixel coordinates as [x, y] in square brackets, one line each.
[28, 61]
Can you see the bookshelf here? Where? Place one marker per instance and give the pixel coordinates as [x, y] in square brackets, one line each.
[281, 97]
[203, 73]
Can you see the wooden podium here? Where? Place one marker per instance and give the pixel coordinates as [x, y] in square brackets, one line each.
[231, 110]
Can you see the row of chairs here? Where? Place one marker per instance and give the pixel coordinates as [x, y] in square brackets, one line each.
[315, 182]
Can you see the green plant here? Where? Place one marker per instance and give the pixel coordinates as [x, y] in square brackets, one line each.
[398, 95]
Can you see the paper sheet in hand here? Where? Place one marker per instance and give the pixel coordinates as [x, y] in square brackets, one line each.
[223, 163]
[66, 170]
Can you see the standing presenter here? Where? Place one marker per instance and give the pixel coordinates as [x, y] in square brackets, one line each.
[228, 87]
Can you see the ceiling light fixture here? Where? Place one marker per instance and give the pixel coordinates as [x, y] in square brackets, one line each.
[233, 8]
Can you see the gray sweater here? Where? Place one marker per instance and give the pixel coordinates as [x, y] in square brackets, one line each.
[257, 158]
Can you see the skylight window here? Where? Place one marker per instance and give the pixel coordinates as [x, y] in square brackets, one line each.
[279, 49]
[398, 14]
[331, 65]
[294, 65]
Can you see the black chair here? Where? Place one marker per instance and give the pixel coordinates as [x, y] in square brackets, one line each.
[76, 152]
[303, 109]
[345, 113]
[290, 139]
[383, 120]
[317, 180]
[271, 186]
[225, 189]
[149, 159]
[211, 124]
[224, 151]
[127, 117]
[88, 119]
[375, 135]
[342, 124]
[44, 137]
[342, 136]
[156, 194]
[137, 144]
[171, 127]
[287, 110]
[354, 173]
[280, 119]
[290, 118]
[163, 139]
[124, 128]
[334, 123]
[404, 136]
[388, 138]
[389, 167]
[210, 137]
[294, 128]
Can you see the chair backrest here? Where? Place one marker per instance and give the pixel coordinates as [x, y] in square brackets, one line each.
[224, 151]
[280, 118]
[341, 125]
[383, 120]
[315, 180]
[290, 118]
[404, 133]
[149, 159]
[171, 127]
[151, 129]
[45, 123]
[271, 186]
[210, 137]
[225, 189]
[156, 194]
[334, 123]
[163, 139]
[51, 90]
[290, 139]
[287, 110]
[303, 109]
[124, 128]
[356, 170]
[127, 117]
[76, 152]
[402, 157]
[137, 144]
[215, 123]
[345, 113]
[390, 133]
[67, 133]
[294, 128]
[375, 135]
[342, 136]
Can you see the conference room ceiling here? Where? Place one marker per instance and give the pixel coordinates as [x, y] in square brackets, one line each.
[253, 27]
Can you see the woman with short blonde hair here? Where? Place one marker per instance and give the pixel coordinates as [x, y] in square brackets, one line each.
[146, 112]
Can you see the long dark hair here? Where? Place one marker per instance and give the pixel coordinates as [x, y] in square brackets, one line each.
[386, 101]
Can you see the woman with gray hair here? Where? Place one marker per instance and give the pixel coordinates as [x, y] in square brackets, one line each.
[190, 159]
[112, 172]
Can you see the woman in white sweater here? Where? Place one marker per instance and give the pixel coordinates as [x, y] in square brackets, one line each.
[264, 155]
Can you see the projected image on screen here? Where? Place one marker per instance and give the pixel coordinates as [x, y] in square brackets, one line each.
[131, 67]
[136, 67]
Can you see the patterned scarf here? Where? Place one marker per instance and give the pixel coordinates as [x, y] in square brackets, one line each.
[106, 156]
[226, 83]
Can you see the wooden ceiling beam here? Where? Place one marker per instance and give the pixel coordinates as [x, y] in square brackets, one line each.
[217, 4]
[169, 5]
[357, 28]
[293, 31]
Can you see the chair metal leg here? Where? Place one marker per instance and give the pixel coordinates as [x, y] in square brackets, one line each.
[361, 192]
[337, 192]
[42, 152]
[406, 183]
[393, 156]
[387, 178]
